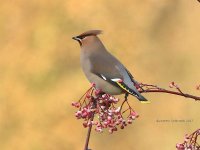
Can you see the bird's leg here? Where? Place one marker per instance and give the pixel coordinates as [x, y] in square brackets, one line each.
[126, 96]
[125, 100]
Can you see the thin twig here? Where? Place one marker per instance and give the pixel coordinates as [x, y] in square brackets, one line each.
[172, 92]
[88, 134]
[149, 88]
[125, 99]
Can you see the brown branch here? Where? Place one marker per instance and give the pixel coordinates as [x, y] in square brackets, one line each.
[172, 92]
[94, 106]
[153, 89]
[88, 134]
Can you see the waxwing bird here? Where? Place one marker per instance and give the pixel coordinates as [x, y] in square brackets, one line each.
[103, 69]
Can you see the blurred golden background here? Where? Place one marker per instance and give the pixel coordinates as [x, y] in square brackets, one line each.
[40, 74]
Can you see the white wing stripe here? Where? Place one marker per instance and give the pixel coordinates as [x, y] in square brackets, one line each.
[116, 80]
[103, 77]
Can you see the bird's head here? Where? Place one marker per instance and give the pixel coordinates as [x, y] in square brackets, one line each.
[87, 37]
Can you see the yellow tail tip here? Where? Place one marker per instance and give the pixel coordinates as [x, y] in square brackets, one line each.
[145, 102]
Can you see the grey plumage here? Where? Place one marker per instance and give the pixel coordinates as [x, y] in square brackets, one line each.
[103, 69]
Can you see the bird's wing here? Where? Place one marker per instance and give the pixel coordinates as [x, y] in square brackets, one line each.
[118, 82]
[128, 82]
[131, 76]
[111, 70]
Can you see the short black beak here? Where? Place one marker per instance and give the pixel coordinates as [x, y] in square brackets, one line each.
[75, 38]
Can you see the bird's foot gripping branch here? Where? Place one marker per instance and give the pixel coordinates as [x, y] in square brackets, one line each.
[190, 142]
[104, 106]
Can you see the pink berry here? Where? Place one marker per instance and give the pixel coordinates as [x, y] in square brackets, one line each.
[94, 122]
[84, 124]
[114, 129]
[198, 87]
[117, 122]
[89, 123]
[129, 121]
[117, 110]
[84, 114]
[180, 146]
[88, 96]
[105, 123]
[73, 103]
[104, 96]
[110, 130]
[109, 118]
[171, 85]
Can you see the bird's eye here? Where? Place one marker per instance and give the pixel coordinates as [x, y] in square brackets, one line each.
[82, 37]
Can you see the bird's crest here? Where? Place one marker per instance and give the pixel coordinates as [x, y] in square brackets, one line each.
[90, 32]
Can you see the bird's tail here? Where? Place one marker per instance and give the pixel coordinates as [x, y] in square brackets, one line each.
[142, 99]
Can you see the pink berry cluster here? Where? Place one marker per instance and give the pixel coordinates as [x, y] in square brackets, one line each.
[104, 107]
[190, 142]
